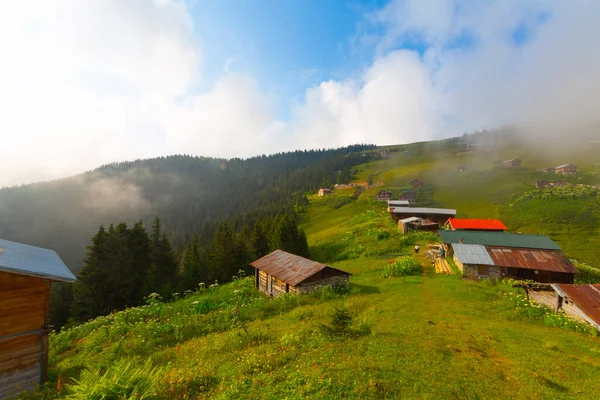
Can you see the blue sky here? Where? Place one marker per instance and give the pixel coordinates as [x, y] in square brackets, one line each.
[286, 45]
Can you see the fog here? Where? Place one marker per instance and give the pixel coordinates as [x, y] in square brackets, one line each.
[79, 91]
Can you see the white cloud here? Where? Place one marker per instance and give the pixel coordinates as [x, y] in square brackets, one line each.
[393, 101]
[88, 82]
[78, 79]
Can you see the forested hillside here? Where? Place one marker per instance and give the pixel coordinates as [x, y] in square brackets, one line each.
[191, 195]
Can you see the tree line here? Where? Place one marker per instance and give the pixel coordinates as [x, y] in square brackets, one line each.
[192, 195]
[124, 264]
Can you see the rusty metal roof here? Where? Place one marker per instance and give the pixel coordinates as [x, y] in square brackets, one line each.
[544, 260]
[290, 268]
[585, 297]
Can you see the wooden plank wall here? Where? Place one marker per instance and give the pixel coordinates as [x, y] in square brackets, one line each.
[24, 317]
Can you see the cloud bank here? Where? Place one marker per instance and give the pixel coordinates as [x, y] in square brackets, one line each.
[89, 82]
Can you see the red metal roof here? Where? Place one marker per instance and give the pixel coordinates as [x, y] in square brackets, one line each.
[290, 268]
[544, 260]
[479, 224]
[585, 297]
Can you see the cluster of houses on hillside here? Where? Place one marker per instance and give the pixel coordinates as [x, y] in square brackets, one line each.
[483, 249]
[565, 169]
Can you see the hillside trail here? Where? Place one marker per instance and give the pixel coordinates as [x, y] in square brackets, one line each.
[434, 302]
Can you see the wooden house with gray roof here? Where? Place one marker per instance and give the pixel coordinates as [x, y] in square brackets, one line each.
[26, 273]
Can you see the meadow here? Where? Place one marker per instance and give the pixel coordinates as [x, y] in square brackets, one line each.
[405, 336]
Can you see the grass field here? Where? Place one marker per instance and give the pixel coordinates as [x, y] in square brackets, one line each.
[427, 336]
[486, 191]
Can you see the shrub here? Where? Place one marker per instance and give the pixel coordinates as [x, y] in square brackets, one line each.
[403, 266]
[340, 322]
[340, 325]
[587, 274]
[121, 381]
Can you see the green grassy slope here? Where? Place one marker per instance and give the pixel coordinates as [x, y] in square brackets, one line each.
[431, 336]
[486, 191]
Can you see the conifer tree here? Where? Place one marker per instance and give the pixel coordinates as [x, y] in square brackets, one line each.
[89, 291]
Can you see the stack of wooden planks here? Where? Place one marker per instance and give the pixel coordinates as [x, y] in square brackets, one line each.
[442, 266]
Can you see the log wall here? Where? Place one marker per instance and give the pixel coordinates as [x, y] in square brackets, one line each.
[24, 319]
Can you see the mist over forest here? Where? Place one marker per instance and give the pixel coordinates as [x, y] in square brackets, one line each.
[190, 194]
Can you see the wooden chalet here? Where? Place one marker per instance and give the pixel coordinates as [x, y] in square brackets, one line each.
[513, 162]
[566, 169]
[476, 224]
[416, 183]
[280, 272]
[324, 192]
[437, 215]
[547, 170]
[26, 273]
[383, 195]
[411, 197]
[493, 255]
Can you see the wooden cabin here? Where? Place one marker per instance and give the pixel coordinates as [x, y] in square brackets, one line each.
[26, 273]
[566, 169]
[383, 195]
[411, 197]
[416, 183]
[281, 272]
[324, 192]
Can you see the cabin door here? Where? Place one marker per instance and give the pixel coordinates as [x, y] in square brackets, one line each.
[269, 284]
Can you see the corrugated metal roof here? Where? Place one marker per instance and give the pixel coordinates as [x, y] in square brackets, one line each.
[565, 165]
[499, 239]
[410, 219]
[544, 260]
[479, 224]
[585, 297]
[422, 210]
[289, 268]
[398, 202]
[23, 259]
[472, 254]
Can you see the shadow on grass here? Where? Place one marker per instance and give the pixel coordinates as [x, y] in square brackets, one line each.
[365, 288]
[552, 385]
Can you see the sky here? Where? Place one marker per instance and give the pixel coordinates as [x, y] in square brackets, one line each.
[85, 83]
